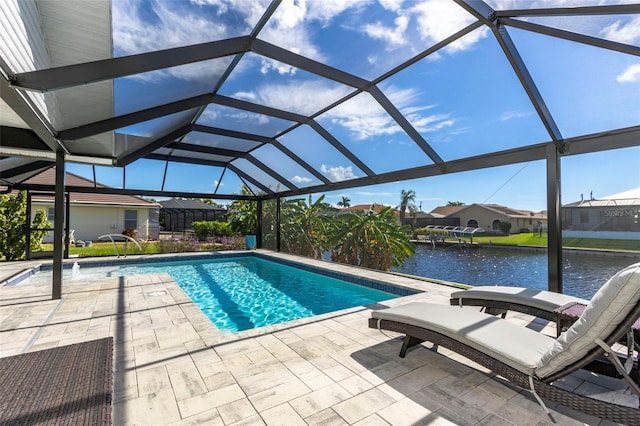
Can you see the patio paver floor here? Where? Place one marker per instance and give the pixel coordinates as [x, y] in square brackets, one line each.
[173, 367]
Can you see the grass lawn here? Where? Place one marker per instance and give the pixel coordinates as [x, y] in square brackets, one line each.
[531, 239]
[106, 248]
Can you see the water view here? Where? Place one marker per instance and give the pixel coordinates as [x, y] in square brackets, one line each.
[583, 274]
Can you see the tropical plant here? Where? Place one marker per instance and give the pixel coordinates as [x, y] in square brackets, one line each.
[407, 198]
[38, 232]
[345, 202]
[243, 214]
[455, 203]
[305, 225]
[13, 226]
[370, 239]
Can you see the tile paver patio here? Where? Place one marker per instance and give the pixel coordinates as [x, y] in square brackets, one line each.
[173, 367]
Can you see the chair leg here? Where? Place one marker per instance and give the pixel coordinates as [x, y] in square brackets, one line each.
[408, 343]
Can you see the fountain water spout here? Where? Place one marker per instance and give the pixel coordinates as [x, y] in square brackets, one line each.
[75, 271]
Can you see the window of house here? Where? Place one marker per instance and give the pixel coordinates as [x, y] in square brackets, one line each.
[131, 219]
[495, 225]
[51, 214]
[584, 217]
[472, 223]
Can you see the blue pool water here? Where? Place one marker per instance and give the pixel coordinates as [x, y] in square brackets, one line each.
[242, 293]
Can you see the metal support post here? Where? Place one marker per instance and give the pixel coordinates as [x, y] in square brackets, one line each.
[58, 226]
[554, 225]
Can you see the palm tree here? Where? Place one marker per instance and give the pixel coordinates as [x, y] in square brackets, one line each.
[407, 198]
[345, 202]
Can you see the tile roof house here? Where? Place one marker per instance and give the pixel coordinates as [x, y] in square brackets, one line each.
[489, 216]
[93, 215]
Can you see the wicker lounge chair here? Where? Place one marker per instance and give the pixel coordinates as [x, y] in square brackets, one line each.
[525, 357]
[499, 299]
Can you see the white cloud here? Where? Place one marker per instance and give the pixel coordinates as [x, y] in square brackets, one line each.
[143, 27]
[218, 183]
[394, 36]
[630, 75]
[510, 115]
[338, 173]
[392, 5]
[301, 179]
[303, 97]
[623, 32]
[438, 20]
[247, 96]
[374, 194]
[365, 118]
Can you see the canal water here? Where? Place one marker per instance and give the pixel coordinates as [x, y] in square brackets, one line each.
[583, 274]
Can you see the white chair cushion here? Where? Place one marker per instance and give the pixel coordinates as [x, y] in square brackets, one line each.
[517, 346]
[607, 309]
[540, 299]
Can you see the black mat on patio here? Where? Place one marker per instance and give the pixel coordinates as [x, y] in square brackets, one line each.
[69, 385]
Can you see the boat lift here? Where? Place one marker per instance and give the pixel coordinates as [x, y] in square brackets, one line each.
[458, 232]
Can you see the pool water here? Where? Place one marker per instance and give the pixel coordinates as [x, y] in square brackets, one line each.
[248, 292]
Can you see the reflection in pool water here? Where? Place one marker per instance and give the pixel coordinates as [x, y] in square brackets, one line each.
[583, 274]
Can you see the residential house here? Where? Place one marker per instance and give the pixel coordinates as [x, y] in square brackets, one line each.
[489, 216]
[94, 215]
[615, 216]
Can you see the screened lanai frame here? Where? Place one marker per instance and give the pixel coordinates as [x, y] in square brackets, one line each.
[63, 110]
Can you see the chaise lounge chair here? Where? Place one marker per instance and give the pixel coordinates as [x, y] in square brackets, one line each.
[525, 357]
[499, 299]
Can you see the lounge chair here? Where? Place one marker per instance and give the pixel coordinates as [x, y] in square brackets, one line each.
[499, 299]
[525, 357]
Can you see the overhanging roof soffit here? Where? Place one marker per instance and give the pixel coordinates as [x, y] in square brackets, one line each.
[25, 168]
[22, 107]
[91, 72]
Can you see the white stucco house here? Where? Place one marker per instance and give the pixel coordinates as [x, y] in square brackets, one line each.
[94, 215]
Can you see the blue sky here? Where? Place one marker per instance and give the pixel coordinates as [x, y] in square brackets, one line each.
[464, 100]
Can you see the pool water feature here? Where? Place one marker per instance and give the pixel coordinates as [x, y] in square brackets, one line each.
[241, 293]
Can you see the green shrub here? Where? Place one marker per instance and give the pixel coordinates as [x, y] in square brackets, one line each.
[13, 226]
[205, 230]
[505, 227]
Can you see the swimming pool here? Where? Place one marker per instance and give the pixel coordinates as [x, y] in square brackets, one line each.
[241, 293]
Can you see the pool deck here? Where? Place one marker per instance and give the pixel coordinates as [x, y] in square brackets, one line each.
[173, 367]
